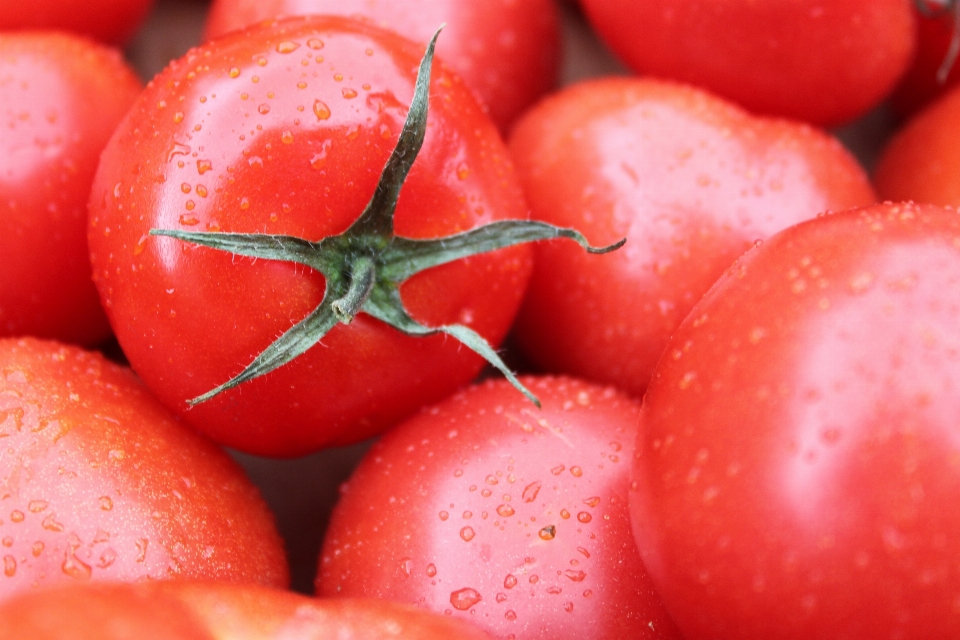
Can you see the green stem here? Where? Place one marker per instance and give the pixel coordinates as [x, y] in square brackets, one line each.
[363, 276]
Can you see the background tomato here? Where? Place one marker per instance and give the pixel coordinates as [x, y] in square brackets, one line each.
[689, 179]
[286, 131]
[490, 510]
[60, 98]
[922, 82]
[98, 481]
[922, 160]
[825, 63]
[796, 467]
[111, 21]
[202, 611]
[507, 52]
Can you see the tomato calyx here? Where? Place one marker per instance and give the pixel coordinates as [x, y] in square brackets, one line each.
[365, 265]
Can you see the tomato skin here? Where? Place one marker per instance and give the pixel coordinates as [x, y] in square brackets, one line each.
[60, 98]
[824, 63]
[921, 161]
[690, 180]
[111, 21]
[203, 611]
[295, 143]
[508, 52]
[795, 471]
[99, 482]
[490, 510]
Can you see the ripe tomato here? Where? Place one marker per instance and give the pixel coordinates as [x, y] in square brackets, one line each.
[203, 611]
[111, 21]
[507, 52]
[823, 62]
[60, 98]
[691, 180]
[922, 160]
[493, 511]
[796, 470]
[284, 129]
[98, 481]
[923, 83]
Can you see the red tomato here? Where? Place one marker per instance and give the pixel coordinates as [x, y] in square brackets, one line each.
[98, 481]
[507, 52]
[203, 611]
[493, 511]
[823, 62]
[60, 98]
[691, 180]
[922, 160]
[796, 470]
[111, 21]
[922, 82]
[284, 130]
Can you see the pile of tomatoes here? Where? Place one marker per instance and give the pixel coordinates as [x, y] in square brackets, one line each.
[329, 256]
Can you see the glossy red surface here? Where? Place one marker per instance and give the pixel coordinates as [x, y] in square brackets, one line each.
[62, 98]
[507, 52]
[690, 180]
[797, 465]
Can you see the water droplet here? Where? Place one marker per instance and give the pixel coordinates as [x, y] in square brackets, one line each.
[50, 523]
[431, 570]
[467, 533]
[188, 220]
[530, 491]
[178, 117]
[568, 607]
[557, 470]
[107, 558]
[315, 43]
[554, 591]
[462, 171]
[584, 517]
[8, 541]
[234, 72]
[576, 471]
[592, 502]
[564, 514]
[349, 93]
[264, 109]
[142, 549]
[321, 110]
[37, 549]
[203, 166]
[287, 46]
[548, 533]
[76, 568]
[505, 510]
[575, 575]
[491, 480]
[36, 506]
[501, 597]
[9, 566]
[406, 565]
[444, 515]
[463, 599]
[286, 137]
[510, 581]
[510, 614]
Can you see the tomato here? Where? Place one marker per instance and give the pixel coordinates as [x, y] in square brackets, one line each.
[203, 611]
[932, 71]
[825, 63]
[284, 130]
[796, 469]
[507, 52]
[98, 481]
[110, 21]
[921, 161]
[60, 98]
[490, 510]
[691, 180]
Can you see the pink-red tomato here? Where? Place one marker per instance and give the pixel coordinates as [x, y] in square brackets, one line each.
[60, 98]
[507, 52]
[284, 129]
[99, 482]
[797, 466]
[493, 511]
[690, 180]
[921, 161]
[111, 21]
[823, 62]
[180, 610]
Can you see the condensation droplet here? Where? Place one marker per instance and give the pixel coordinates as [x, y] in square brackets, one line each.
[16, 516]
[406, 565]
[321, 110]
[505, 510]
[50, 524]
[510, 614]
[584, 517]
[548, 533]
[286, 137]
[9, 566]
[576, 471]
[592, 502]
[530, 491]
[37, 549]
[431, 570]
[105, 503]
[467, 533]
[444, 515]
[234, 72]
[510, 581]
[557, 470]
[36, 506]
[575, 575]
[463, 599]
[203, 166]
[287, 46]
